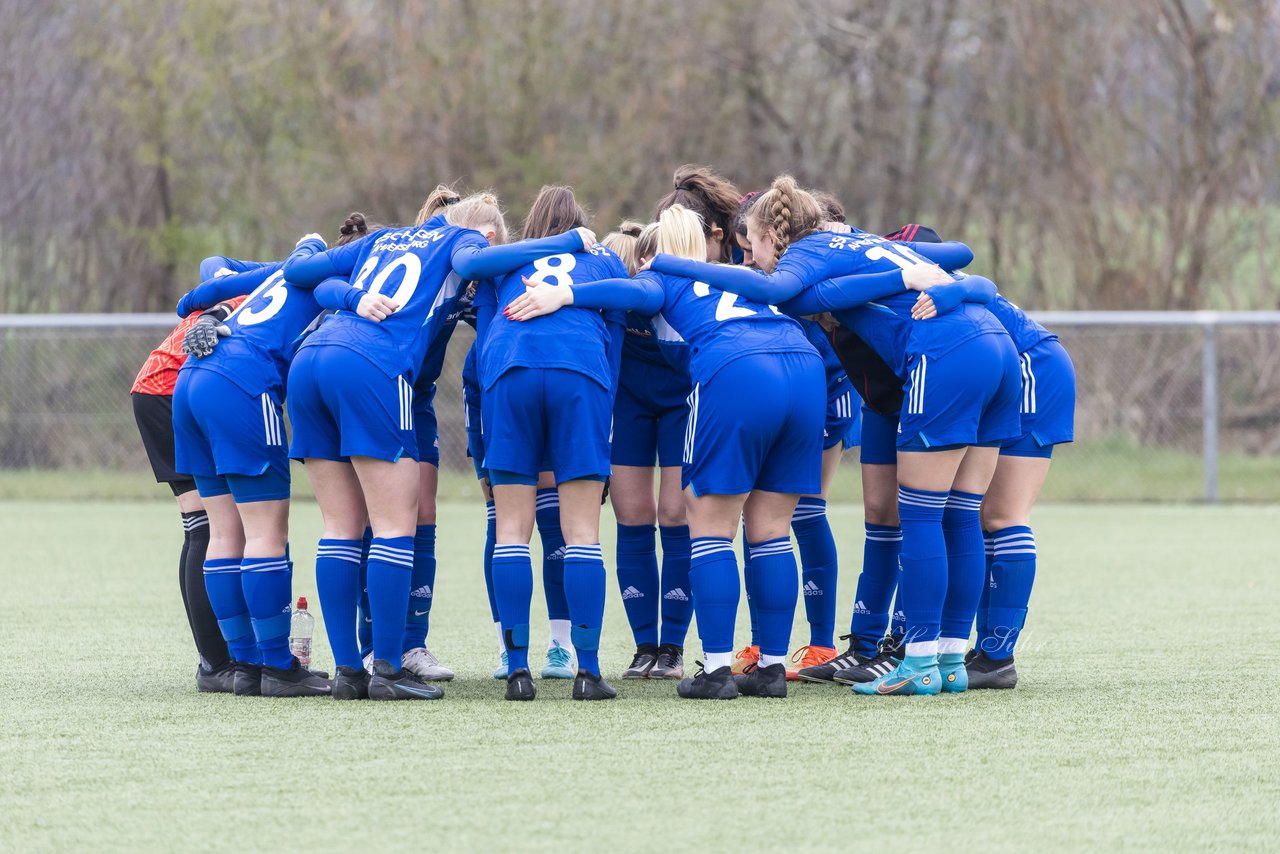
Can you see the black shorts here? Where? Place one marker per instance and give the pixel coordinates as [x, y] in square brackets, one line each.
[154, 414]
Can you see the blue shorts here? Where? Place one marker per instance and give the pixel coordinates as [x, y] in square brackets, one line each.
[967, 397]
[219, 429]
[547, 419]
[341, 406]
[1048, 402]
[650, 414]
[425, 427]
[879, 439]
[757, 424]
[841, 426]
[271, 485]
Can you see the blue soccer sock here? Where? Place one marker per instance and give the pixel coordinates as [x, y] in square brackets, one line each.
[776, 589]
[584, 585]
[490, 537]
[713, 575]
[338, 583]
[513, 589]
[638, 581]
[819, 569]
[748, 587]
[547, 515]
[226, 597]
[267, 585]
[923, 585]
[390, 569]
[422, 585]
[966, 568]
[1013, 573]
[677, 600]
[876, 584]
[364, 621]
[984, 603]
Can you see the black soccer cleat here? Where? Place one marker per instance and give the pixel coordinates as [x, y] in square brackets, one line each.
[395, 683]
[219, 680]
[641, 663]
[887, 657]
[768, 681]
[520, 685]
[986, 672]
[670, 663]
[351, 683]
[717, 685]
[826, 672]
[296, 681]
[248, 680]
[588, 686]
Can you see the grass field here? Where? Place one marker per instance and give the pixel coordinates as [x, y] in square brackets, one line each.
[1146, 717]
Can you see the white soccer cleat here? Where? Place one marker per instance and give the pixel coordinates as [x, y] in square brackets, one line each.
[368, 664]
[421, 663]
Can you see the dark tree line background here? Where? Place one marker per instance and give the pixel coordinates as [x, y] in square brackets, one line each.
[1096, 154]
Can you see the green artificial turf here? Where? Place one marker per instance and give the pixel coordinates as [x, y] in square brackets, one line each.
[1147, 716]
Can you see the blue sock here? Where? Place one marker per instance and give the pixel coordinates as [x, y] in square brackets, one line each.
[748, 587]
[390, 568]
[421, 588]
[513, 590]
[1013, 573]
[490, 537]
[776, 589]
[677, 600]
[876, 584]
[267, 585]
[820, 569]
[713, 575]
[981, 622]
[966, 564]
[638, 581]
[226, 598]
[364, 621]
[338, 583]
[547, 515]
[923, 585]
[584, 586]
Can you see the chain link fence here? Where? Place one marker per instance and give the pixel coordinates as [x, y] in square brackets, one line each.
[1172, 407]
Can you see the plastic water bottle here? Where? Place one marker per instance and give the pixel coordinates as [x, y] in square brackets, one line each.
[301, 627]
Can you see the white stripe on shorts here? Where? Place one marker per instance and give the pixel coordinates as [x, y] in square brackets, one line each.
[691, 428]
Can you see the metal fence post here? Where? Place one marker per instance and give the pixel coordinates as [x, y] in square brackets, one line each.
[1209, 402]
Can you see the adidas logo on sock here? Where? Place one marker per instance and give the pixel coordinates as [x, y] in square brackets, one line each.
[632, 593]
[900, 616]
[677, 595]
[811, 589]
[558, 554]
[423, 592]
[860, 607]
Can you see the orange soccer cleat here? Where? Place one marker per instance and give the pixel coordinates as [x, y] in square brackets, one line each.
[810, 656]
[746, 660]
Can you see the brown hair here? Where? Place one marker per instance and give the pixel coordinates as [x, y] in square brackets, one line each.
[554, 211]
[439, 199]
[787, 212]
[710, 196]
[740, 218]
[623, 244]
[354, 228]
[832, 210]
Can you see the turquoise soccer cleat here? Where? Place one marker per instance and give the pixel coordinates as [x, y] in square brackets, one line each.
[903, 682]
[955, 678]
[559, 663]
[501, 672]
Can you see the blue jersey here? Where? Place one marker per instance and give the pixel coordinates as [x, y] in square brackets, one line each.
[822, 343]
[719, 326]
[411, 266]
[574, 339]
[1024, 331]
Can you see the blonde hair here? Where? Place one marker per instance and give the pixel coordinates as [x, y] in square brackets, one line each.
[623, 244]
[439, 199]
[476, 210]
[647, 242]
[680, 233]
[787, 212]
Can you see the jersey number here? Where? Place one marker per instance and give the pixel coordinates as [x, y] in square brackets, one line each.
[274, 291]
[403, 289]
[899, 255]
[726, 308]
[554, 269]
